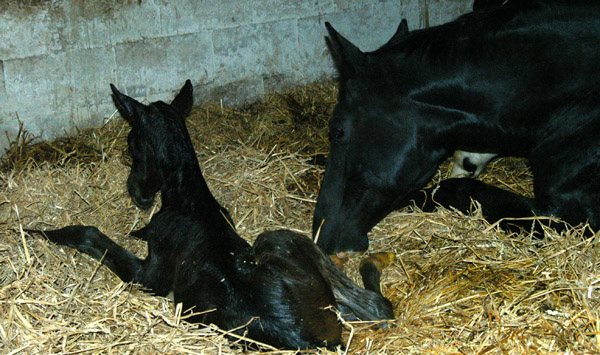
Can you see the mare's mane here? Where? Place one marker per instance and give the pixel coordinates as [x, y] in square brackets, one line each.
[444, 41]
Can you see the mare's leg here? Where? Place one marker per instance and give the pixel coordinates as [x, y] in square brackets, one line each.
[496, 203]
[353, 301]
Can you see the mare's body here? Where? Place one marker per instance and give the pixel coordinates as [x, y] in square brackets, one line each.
[277, 291]
[515, 78]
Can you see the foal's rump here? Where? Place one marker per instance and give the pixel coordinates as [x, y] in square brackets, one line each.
[290, 302]
[353, 302]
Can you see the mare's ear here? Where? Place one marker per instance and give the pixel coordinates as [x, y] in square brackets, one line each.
[487, 4]
[347, 57]
[128, 107]
[184, 101]
[401, 31]
[403, 26]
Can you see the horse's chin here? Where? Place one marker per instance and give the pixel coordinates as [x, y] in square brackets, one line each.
[351, 245]
[143, 203]
[142, 198]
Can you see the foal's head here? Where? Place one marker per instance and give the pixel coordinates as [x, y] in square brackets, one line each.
[158, 142]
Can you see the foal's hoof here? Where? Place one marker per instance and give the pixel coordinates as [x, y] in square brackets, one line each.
[341, 258]
[371, 268]
[380, 260]
[339, 261]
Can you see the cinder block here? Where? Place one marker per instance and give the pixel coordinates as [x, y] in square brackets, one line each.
[193, 16]
[38, 84]
[254, 50]
[276, 10]
[90, 73]
[93, 114]
[368, 28]
[410, 12]
[9, 134]
[345, 5]
[93, 33]
[312, 59]
[182, 17]
[217, 14]
[38, 94]
[25, 35]
[9, 124]
[2, 82]
[442, 11]
[46, 126]
[135, 22]
[237, 93]
[277, 82]
[325, 7]
[157, 65]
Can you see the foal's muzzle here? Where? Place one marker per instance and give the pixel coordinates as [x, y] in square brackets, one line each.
[137, 196]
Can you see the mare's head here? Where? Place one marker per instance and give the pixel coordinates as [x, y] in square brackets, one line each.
[383, 140]
[158, 142]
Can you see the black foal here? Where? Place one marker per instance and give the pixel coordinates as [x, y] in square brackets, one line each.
[277, 292]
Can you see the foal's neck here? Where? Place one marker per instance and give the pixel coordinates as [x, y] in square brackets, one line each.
[186, 190]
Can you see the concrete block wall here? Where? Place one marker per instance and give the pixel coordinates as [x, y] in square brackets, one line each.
[58, 57]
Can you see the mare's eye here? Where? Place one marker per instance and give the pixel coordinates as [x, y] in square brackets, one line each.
[337, 133]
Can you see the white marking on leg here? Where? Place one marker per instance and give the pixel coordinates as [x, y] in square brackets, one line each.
[480, 160]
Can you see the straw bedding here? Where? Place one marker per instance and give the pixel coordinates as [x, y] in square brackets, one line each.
[459, 285]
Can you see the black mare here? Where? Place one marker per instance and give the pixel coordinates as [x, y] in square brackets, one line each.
[515, 78]
[277, 291]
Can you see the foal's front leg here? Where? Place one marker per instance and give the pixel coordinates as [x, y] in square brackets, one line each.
[91, 241]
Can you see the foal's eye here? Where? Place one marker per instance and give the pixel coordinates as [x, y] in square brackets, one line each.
[337, 133]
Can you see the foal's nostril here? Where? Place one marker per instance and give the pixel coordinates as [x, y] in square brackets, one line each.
[142, 203]
[136, 196]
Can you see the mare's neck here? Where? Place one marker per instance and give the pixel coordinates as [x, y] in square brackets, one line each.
[463, 110]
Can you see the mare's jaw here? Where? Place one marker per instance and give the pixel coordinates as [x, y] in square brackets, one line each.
[334, 237]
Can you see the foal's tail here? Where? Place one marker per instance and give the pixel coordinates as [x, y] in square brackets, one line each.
[354, 302]
[91, 241]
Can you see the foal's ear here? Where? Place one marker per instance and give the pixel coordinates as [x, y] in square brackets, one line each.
[128, 107]
[184, 101]
[347, 57]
